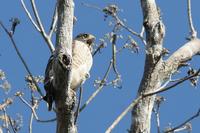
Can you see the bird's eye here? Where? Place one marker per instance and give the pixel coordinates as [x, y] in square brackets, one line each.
[85, 35]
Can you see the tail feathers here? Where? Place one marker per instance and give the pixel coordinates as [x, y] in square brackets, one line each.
[49, 100]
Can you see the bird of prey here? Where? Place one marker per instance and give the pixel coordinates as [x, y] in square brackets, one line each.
[81, 64]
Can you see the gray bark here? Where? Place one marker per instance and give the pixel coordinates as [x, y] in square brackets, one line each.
[65, 97]
[156, 70]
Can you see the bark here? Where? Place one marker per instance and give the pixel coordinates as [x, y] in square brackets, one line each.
[156, 70]
[65, 97]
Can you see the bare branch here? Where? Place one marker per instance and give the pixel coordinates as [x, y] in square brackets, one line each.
[31, 123]
[182, 55]
[79, 104]
[11, 124]
[118, 21]
[6, 103]
[39, 27]
[193, 32]
[6, 120]
[129, 29]
[42, 31]
[101, 85]
[102, 45]
[21, 58]
[29, 16]
[91, 6]
[142, 31]
[119, 118]
[35, 11]
[156, 110]
[162, 89]
[54, 21]
[19, 94]
[114, 51]
[185, 122]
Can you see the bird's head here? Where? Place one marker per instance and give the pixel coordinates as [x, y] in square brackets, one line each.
[86, 38]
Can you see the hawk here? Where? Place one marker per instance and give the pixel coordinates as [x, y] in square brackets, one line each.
[81, 64]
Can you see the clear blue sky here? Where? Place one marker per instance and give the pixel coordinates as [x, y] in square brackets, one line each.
[181, 102]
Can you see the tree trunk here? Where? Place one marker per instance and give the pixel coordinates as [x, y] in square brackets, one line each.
[65, 97]
[156, 71]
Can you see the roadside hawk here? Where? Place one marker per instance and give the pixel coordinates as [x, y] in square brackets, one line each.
[81, 64]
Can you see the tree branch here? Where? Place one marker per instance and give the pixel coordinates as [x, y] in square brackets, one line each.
[193, 32]
[21, 58]
[35, 11]
[54, 22]
[42, 31]
[11, 124]
[118, 21]
[100, 87]
[162, 89]
[184, 123]
[116, 121]
[19, 95]
[31, 123]
[29, 16]
[39, 27]
[182, 55]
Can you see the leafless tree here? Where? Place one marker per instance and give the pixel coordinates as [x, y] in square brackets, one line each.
[157, 76]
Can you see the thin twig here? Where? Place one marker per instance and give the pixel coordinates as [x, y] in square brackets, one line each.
[43, 33]
[119, 118]
[91, 6]
[119, 22]
[101, 85]
[6, 120]
[157, 120]
[186, 127]
[54, 21]
[161, 89]
[29, 16]
[156, 110]
[114, 51]
[79, 104]
[7, 102]
[192, 29]
[129, 29]
[32, 115]
[37, 17]
[21, 58]
[33, 111]
[98, 49]
[39, 27]
[142, 31]
[185, 122]
[11, 124]
[31, 123]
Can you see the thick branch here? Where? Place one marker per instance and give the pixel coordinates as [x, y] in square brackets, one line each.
[182, 55]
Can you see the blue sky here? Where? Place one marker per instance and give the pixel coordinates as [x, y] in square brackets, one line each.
[181, 102]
